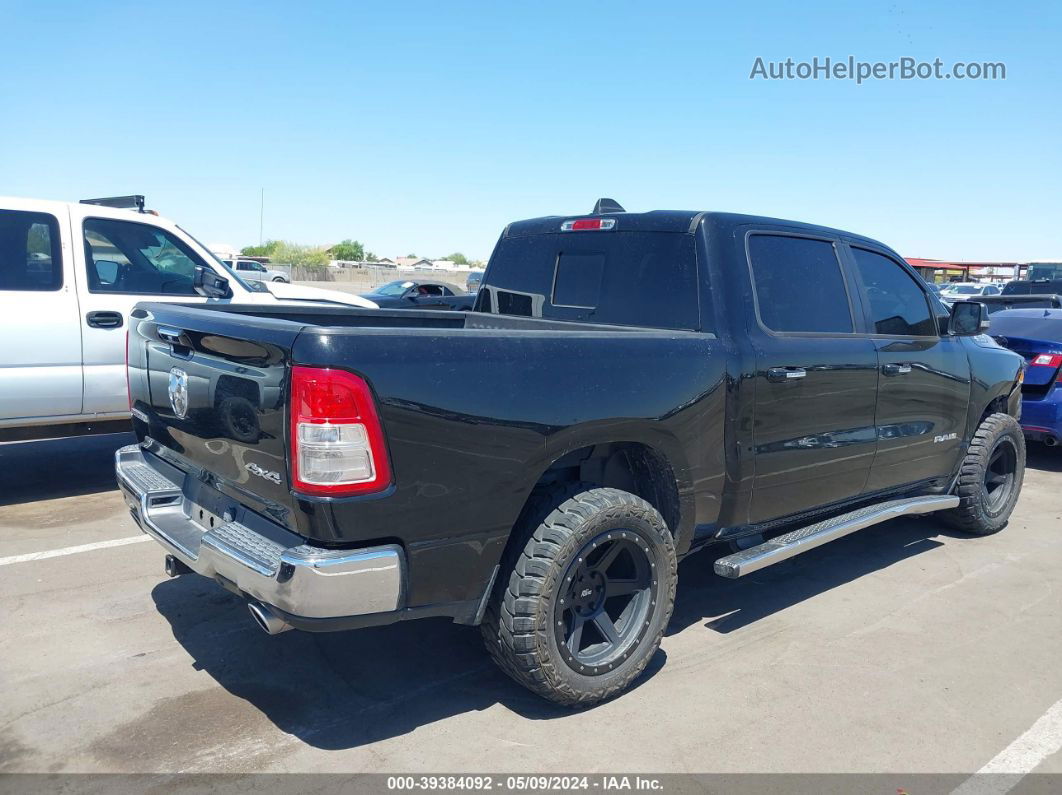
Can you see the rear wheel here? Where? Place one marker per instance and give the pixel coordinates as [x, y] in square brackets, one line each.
[990, 477]
[582, 608]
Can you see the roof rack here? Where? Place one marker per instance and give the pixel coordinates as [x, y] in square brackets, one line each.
[119, 202]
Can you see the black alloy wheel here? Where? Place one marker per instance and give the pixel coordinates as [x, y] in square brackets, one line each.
[609, 591]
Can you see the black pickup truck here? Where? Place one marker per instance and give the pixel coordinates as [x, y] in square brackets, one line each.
[629, 388]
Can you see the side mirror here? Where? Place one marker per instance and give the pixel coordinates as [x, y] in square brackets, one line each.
[107, 271]
[209, 285]
[968, 318]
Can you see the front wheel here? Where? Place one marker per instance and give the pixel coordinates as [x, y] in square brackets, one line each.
[990, 477]
[583, 607]
[279, 279]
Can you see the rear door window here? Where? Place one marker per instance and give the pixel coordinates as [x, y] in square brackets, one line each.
[646, 279]
[30, 258]
[799, 285]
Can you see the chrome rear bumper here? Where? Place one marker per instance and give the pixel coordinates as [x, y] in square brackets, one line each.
[262, 559]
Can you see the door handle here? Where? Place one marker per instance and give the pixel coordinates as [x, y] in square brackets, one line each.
[105, 319]
[896, 369]
[780, 374]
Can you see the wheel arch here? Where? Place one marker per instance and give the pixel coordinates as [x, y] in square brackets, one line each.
[654, 469]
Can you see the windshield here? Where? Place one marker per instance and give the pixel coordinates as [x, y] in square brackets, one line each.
[1044, 270]
[393, 289]
[962, 289]
[646, 279]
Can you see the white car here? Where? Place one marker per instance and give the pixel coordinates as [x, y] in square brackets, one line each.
[70, 274]
[256, 271]
[965, 291]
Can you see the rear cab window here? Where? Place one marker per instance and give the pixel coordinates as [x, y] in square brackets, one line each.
[30, 252]
[631, 278]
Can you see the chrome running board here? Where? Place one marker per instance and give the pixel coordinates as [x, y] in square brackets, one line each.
[794, 542]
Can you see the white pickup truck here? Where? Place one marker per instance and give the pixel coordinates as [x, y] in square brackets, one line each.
[70, 273]
[253, 270]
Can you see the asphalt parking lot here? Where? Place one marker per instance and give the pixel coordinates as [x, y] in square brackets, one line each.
[905, 647]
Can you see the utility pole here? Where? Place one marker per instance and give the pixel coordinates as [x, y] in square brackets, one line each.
[261, 217]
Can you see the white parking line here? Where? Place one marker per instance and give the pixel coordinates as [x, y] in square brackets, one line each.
[58, 553]
[1022, 756]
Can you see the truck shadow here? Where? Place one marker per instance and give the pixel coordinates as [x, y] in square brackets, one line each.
[1044, 458]
[343, 690]
[54, 468]
[732, 604]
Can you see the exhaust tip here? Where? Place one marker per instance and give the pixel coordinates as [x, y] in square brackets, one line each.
[1051, 441]
[267, 620]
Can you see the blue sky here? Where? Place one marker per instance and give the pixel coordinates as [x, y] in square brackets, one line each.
[425, 127]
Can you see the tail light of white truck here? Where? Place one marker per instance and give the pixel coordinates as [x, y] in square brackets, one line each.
[337, 441]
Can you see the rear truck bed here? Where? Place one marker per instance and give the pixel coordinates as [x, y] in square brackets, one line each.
[473, 408]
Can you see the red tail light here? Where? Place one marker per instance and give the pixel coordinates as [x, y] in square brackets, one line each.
[1046, 360]
[337, 441]
[588, 224]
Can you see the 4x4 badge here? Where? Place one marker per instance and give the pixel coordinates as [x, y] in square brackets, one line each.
[254, 469]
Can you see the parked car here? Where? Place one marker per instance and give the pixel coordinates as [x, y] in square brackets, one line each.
[1000, 303]
[1036, 335]
[474, 280]
[1033, 287]
[630, 388]
[70, 274]
[966, 291]
[256, 271]
[410, 294]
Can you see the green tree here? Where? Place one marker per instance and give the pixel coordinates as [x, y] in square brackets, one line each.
[311, 261]
[458, 258]
[350, 250]
[264, 250]
[370, 257]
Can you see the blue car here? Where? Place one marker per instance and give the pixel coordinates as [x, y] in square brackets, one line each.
[1037, 335]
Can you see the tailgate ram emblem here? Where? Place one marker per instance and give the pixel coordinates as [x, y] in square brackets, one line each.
[178, 390]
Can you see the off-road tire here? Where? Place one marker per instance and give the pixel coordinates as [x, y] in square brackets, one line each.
[520, 621]
[977, 513]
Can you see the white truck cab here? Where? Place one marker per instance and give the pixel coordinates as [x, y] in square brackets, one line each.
[70, 274]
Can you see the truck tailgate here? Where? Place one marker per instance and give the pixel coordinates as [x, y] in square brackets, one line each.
[208, 394]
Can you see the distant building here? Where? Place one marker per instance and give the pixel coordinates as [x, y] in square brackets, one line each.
[414, 263]
[945, 271]
[224, 250]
